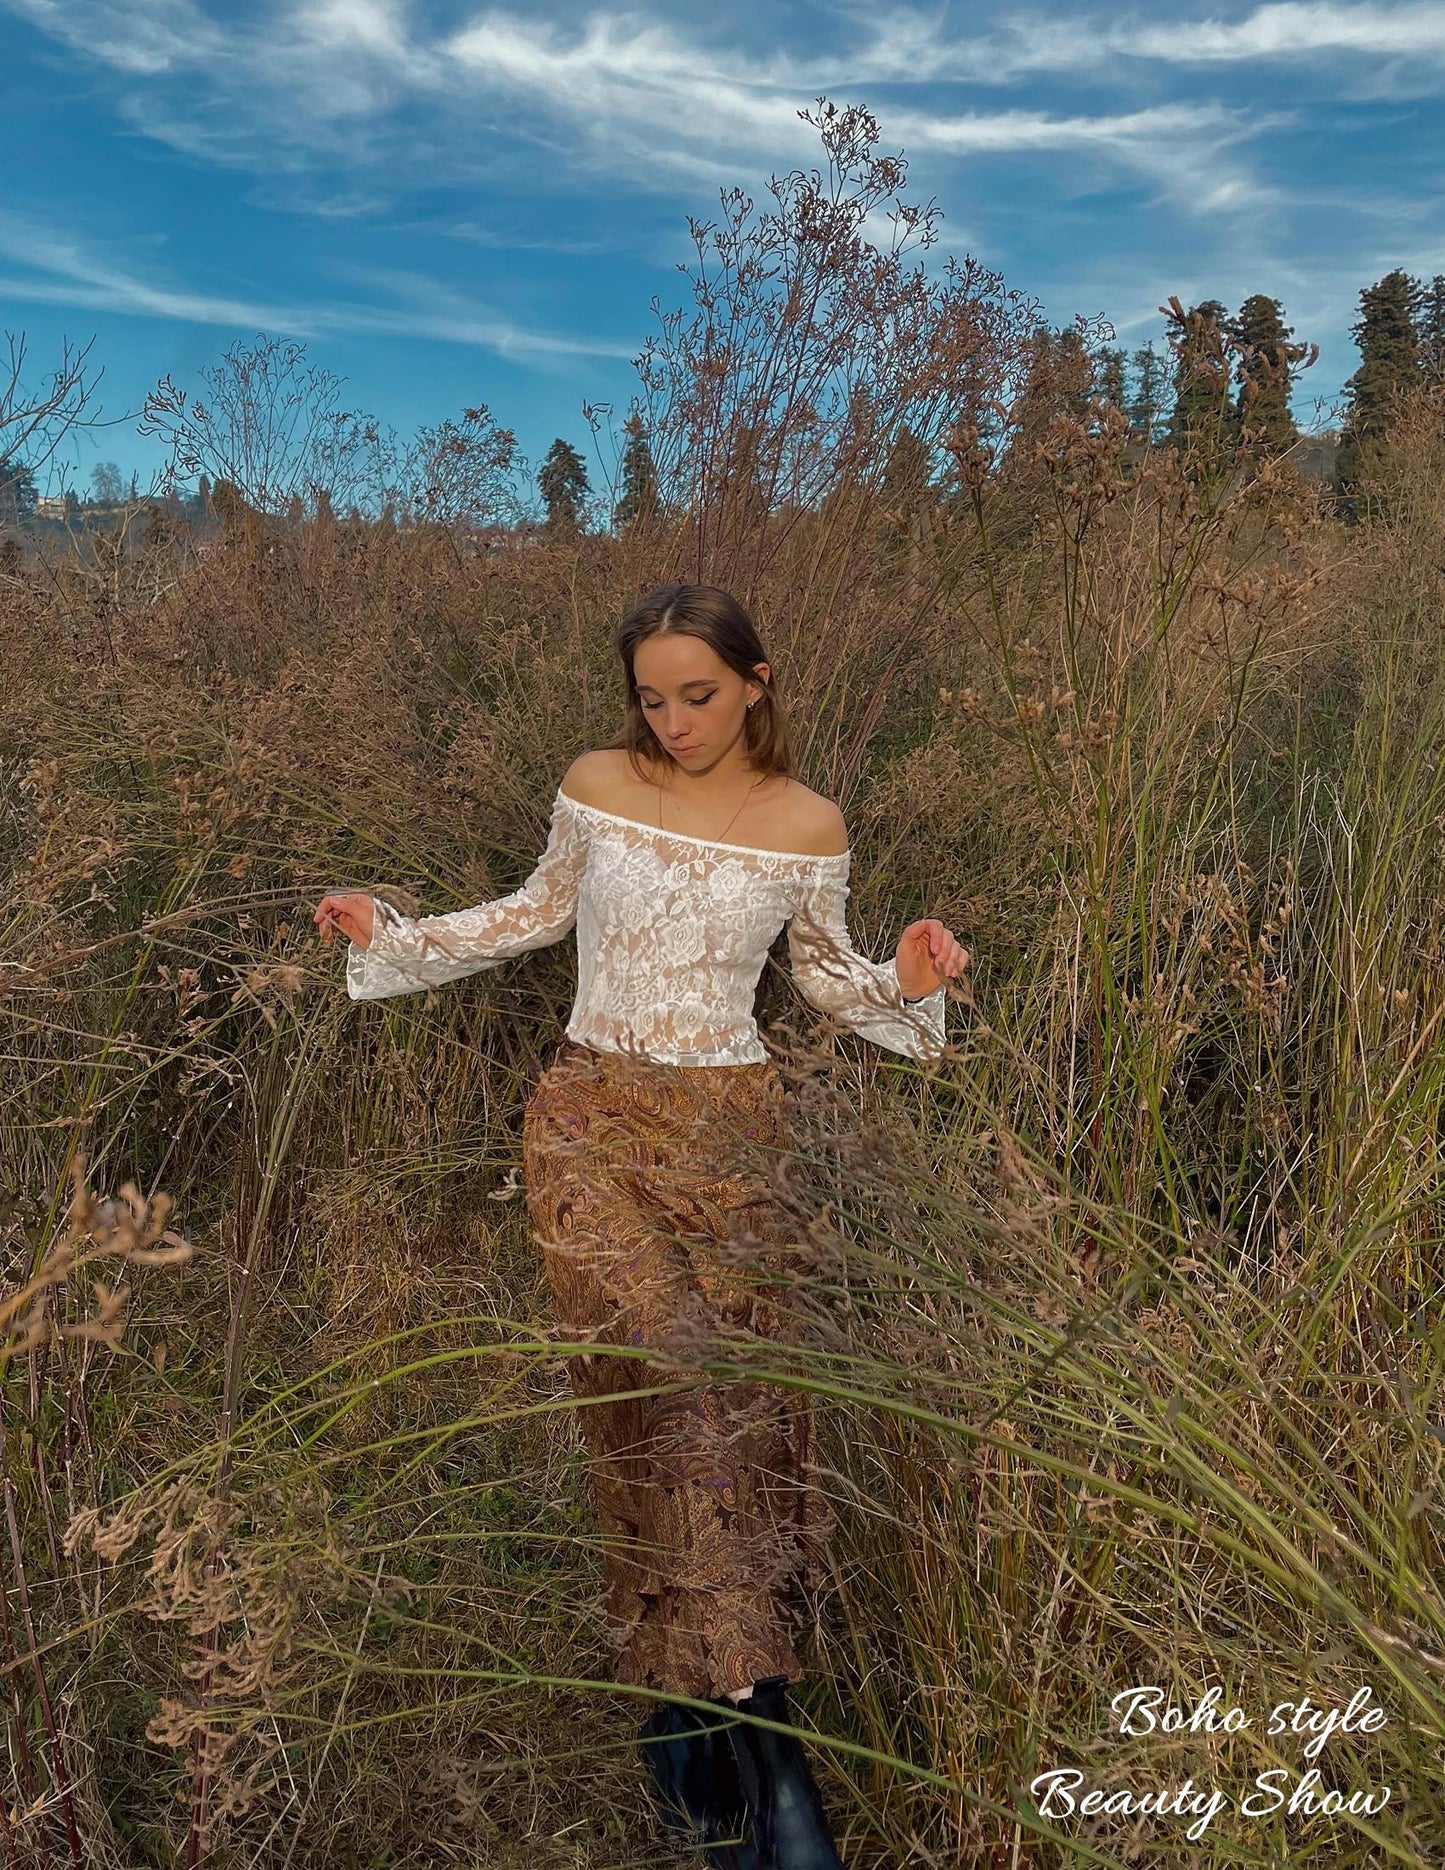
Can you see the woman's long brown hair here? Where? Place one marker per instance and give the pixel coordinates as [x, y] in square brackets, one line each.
[719, 620]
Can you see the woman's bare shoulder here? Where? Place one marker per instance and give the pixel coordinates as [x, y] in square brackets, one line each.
[592, 777]
[818, 827]
[799, 819]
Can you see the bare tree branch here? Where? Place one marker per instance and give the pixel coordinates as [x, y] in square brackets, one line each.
[34, 423]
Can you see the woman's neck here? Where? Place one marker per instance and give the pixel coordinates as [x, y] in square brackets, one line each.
[727, 780]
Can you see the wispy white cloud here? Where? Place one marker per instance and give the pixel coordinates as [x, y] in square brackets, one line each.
[622, 72]
[422, 306]
[903, 44]
[1301, 33]
[1294, 29]
[622, 97]
[641, 93]
[161, 36]
[151, 37]
[345, 108]
[1181, 152]
[473, 233]
[1001, 131]
[57, 269]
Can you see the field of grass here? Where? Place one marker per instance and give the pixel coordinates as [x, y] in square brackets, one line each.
[1124, 1325]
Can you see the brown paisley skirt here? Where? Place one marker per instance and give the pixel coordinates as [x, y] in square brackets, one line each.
[649, 1201]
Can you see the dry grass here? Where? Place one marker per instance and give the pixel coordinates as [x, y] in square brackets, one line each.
[1124, 1326]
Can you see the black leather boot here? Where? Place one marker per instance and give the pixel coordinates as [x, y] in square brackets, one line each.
[790, 1828]
[696, 1775]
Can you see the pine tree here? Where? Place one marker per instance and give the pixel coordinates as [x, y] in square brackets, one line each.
[1203, 421]
[562, 479]
[1389, 363]
[1073, 372]
[1058, 376]
[906, 487]
[1263, 373]
[1145, 408]
[1110, 368]
[18, 495]
[1430, 330]
[906, 492]
[1036, 401]
[639, 477]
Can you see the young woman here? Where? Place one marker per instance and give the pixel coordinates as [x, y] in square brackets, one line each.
[678, 853]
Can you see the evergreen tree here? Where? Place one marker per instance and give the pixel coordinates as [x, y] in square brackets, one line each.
[562, 479]
[228, 504]
[1035, 403]
[17, 494]
[1430, 330]
[1058, 376]
[1110, 375]
[639, 476]
[1389, 363]
[1074, 371]
[1203, 421]
[742, 502]
[1145, 408]
[907, 491]
[1263, 373]
[906, 487]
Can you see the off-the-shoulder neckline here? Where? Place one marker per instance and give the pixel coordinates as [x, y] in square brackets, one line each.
[687, 837]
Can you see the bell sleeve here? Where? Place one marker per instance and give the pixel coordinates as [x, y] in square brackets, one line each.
[862, 995]
[407, 954]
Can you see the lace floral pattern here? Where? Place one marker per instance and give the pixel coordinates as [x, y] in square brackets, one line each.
[672, 934]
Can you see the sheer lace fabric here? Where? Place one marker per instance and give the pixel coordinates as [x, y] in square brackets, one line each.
[672, 934]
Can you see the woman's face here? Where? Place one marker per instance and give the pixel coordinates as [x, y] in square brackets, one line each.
[694, 703]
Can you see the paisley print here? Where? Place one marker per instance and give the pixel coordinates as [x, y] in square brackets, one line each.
[715, 1530]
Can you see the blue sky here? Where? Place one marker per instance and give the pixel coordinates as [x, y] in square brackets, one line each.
[456, 204]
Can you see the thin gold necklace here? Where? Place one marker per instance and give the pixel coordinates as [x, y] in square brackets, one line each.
[730, 823]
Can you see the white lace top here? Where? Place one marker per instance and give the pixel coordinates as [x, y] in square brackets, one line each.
[672, 934]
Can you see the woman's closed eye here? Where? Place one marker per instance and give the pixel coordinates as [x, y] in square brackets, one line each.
[701, 702]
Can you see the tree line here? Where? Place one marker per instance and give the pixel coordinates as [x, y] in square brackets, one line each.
[1222, 383]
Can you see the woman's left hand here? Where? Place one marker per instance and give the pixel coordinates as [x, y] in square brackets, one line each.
[927, 956]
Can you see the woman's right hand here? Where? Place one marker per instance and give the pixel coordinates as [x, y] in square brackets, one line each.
[354, 914]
